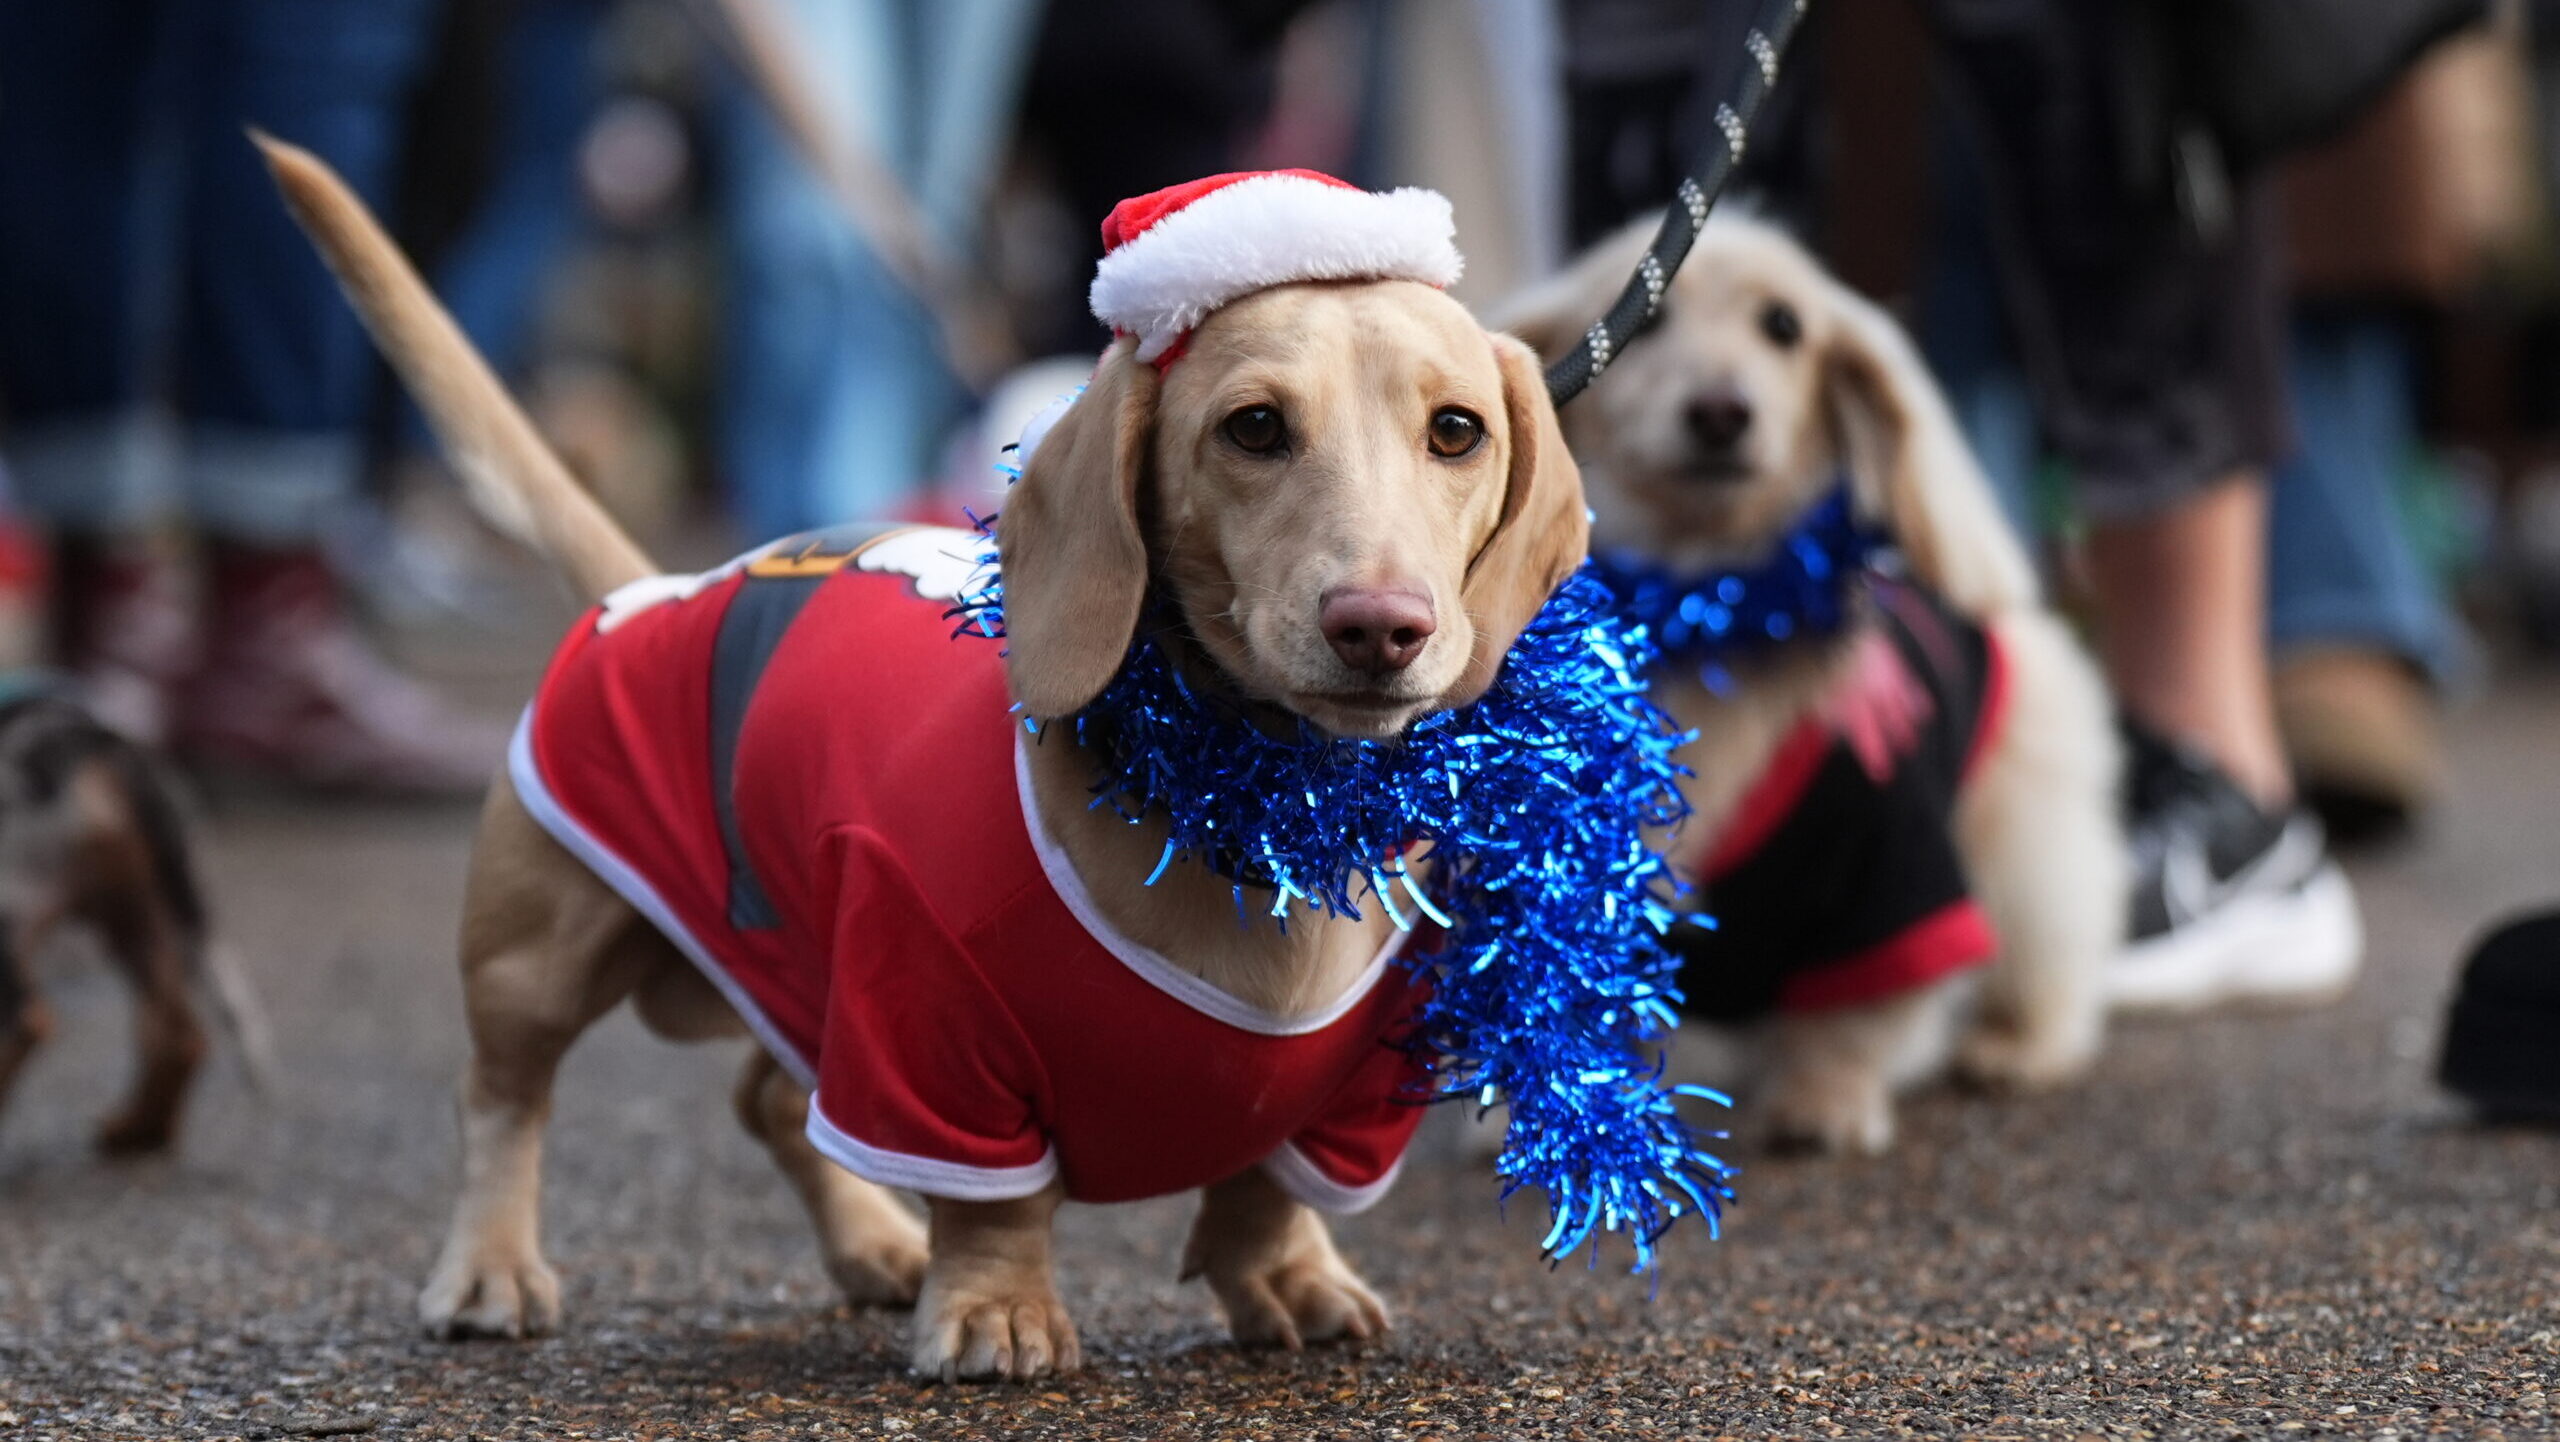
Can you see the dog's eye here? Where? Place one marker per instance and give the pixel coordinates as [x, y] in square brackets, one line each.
[1454, 432]
[1258, 429]
[1780, 323]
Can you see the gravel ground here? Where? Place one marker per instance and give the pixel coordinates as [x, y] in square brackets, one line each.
[2243, 1226]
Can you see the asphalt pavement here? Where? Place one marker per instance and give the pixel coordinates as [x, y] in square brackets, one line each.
[2242, 1226]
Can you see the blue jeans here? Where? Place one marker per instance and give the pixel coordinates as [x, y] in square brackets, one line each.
[492, 277]
[834, 395]
[2340, 569]
[143, 252]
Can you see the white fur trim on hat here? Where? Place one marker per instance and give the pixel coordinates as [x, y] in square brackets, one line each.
[1266, 231]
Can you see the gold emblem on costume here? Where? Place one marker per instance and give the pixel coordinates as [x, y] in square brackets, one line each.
[818, 556]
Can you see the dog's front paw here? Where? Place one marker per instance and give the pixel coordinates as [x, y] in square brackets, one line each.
[497, 1293]
[886, 1266]
[1848, 1111]
[978, 1330]
[1292, 1293]
[1309, 1300]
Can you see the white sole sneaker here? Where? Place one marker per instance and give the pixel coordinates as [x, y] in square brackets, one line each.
[2296, 947]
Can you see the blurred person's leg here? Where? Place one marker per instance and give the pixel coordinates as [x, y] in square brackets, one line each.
[2142, 294]
[817, 339]
[970, 57]
[73, 373]
[820, 383]
[2342, 570]
[491, 276]
[2148, 331]
[2358, 627]
[277, 378]
[837, 394]
[1522, 44]
[277, 371]
[88, 452]
[2180, 594]
[509, 235]
[2151, 350]
[973, 55]
[2406, 214]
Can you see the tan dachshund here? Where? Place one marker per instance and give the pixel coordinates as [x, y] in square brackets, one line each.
[1422, 473]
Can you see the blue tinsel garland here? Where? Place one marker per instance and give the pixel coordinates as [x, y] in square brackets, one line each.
[1805, 588]
[1551, 985]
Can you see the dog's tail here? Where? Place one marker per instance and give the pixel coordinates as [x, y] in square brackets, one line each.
[515, 480]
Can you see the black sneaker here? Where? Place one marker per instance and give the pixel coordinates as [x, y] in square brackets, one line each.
[2230, 902]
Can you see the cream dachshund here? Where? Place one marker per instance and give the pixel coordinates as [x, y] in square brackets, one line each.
[1882, 809]
[1351, 497]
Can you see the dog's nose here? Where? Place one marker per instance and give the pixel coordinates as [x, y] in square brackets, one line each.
[1719, 418]
[1376, 631]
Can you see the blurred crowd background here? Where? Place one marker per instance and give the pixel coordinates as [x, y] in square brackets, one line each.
[215, 494]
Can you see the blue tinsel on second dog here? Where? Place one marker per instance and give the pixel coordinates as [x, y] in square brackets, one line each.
[1804, 589]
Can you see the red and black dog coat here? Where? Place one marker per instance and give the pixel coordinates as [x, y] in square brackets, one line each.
[1837, 882]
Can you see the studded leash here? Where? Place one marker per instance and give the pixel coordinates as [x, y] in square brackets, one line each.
[1766, 44]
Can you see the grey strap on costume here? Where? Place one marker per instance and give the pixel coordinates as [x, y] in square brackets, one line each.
[1681, 222]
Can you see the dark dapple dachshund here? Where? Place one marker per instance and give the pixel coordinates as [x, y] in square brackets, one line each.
[90, 835]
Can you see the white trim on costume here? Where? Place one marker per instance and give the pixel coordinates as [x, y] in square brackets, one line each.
[938, 561]
[633, 597]
[1151, 966]
[631, 886]
[1266, 231]
[955, 1181]
[1304, 1180]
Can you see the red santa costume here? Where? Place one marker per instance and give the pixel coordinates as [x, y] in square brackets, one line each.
[797, 772]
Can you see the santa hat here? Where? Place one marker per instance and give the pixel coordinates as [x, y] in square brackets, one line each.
[1176, 255]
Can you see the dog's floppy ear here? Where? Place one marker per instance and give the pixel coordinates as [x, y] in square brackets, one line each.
[1907, 458]
[1075, 565]
[1544, 529]
[1553, 313]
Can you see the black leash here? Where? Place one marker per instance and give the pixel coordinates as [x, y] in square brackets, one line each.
[1767, 44]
